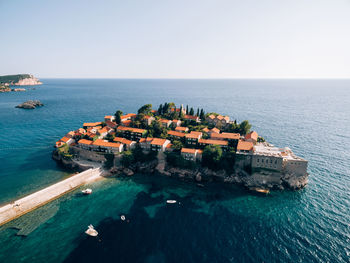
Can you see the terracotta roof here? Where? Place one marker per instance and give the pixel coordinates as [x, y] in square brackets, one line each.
[109, 117]
[126, 122]
[252, 135]
[103, 143]
[170, 145]
[103, 130]
[205, 129]
[176, 133]
[122, 128]
[211, 116]
[225, 135]
[126, 116]
[153, 111]
[148, 139]
[213, 142]
[158, 141]
[65, 139]
[216, 130]
[123, 140]
[148, 117]
[192, 135]
[220, 117]
[84, 141]
[196, 133]
[188, 150]
[181, 129]
[245, 146]
[111, 124]
[199, 151]
[164, 121]
[91, 124]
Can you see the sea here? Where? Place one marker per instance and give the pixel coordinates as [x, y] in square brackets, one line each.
[214, 223]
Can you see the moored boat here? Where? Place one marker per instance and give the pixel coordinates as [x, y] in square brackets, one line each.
[87, 191]
[171, 201]
[260, 190]
[91, 231]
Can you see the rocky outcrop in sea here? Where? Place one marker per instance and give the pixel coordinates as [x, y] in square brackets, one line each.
[30, 104]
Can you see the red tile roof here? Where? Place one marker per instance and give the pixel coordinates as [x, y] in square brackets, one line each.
[158, 141]
[188, 150]
[123, 140]
[176, 133]
[136, 130]
[252, 135]
[184, 129]
[213, 142]
[92, 124]
[84, 141]
[102, 143]
[244, 146]
[225, 135]
[65, 139]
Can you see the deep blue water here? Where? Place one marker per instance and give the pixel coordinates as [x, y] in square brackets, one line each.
[219, 223]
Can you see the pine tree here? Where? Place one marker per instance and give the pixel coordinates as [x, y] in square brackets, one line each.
[191, 111]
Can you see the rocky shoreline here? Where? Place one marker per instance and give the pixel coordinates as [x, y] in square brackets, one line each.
[265, 180]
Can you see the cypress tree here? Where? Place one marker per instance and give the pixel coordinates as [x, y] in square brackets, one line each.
[191, 111]
[186, 109]
[197, 112]
[160, 109]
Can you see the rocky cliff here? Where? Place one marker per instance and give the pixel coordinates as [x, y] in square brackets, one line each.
[266, 180]
[20, 80]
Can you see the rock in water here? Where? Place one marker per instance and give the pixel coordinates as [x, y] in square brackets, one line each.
[30, 104]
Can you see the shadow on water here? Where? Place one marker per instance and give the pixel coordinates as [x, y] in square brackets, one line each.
[177, 232]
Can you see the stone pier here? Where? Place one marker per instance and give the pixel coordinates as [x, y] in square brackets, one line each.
[26, 204]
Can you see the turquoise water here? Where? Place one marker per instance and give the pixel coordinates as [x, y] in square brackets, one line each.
[219, 223]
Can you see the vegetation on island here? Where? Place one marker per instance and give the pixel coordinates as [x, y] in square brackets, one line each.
[213, 156]
[11, 79]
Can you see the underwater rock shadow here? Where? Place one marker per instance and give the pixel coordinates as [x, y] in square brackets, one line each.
[177, 233]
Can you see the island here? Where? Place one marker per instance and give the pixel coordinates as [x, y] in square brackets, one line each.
[17, 80]
[30, 104]
[184, 143]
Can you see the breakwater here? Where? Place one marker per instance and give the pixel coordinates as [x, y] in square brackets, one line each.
[28, 203]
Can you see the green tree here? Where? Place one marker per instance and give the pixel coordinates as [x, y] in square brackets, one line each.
[202, 115]
[187, 109]
[211, 156]
[177, 145]
[145, 109]
[181, 115]
[191, 111]
[160, 109]
[165, 108]
[244, 127]
[117, 115]
[127, 158]
[197, 114]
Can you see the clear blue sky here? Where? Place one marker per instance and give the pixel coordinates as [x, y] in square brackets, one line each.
[176, 38]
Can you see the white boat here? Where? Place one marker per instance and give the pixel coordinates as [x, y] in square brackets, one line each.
[87, 191]
[91, 231]
[171, 201]
[122, 217]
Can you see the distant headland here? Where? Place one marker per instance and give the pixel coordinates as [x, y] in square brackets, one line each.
[17, 80]
[184, 143]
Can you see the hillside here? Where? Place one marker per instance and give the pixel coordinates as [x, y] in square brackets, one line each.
[19, 80]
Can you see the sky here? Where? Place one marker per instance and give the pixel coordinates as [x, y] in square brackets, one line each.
[176, 38]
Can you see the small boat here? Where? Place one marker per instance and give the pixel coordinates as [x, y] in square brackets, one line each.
[122, 217]
[200, 185]
[87, 191]
[260, 190]
[91, 231]
[171, 201]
